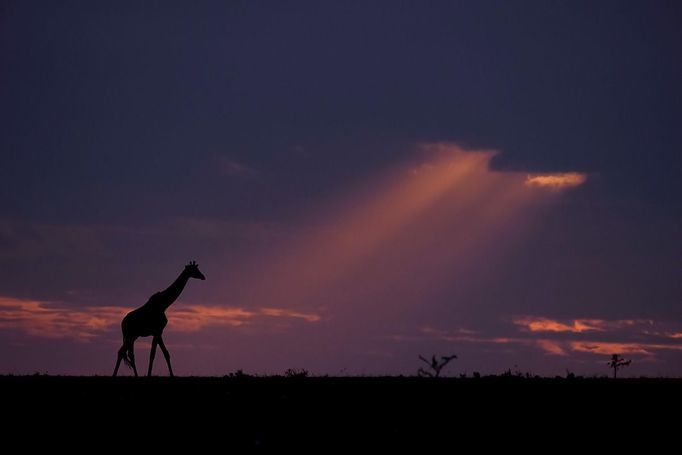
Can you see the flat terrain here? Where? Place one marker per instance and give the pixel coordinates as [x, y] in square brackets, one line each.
[346, 412]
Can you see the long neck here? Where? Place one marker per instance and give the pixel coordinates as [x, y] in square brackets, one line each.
[173, 291]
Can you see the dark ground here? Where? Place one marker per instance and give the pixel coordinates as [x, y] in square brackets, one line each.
[326, 413]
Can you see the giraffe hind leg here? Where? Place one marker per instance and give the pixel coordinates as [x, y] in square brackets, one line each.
[127, 354]
[121, 356]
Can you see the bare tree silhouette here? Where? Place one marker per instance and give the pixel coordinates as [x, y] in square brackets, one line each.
[435, 365]
[617, 363]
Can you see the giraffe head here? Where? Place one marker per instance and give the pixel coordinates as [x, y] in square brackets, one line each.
[192, 269]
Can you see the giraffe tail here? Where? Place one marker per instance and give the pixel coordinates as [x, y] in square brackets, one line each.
[124, 353]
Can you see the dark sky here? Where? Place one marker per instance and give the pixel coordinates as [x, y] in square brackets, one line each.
[253, 136]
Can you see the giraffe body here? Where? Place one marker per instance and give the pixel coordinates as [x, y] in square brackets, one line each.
[145, 321]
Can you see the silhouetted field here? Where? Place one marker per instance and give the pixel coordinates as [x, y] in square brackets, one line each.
[350, 412]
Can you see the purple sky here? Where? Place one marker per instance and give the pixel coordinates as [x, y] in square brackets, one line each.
[360, 184]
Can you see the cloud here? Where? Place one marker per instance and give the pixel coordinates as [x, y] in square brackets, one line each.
[55, 320]
[279, 312]
[551, 347]
[232, 168]
[51, 320]
[192, 318]
[556, 181]
[608, 348]
[471, 336]
[597, 336]
[539, 324]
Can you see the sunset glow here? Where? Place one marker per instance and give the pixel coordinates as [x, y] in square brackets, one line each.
[343, 175]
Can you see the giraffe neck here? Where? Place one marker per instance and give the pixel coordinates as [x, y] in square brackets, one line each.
[173, 291]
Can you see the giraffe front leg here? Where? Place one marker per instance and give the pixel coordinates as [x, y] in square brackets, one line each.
[151, 355]
[166, 354]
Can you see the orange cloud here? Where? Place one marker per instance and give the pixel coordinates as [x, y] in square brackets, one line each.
[49, 320]
[192, 318]
[280, 312]
[549, 325]
[625, 329]
[551, 347]
[608, 348]
[53, 320]
[471, 336]
[556, 181]
[539, 324]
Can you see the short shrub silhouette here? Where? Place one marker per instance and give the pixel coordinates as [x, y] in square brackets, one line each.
[617, 363]
[508, 373]
[435, 365]
[296, 373]
[238, 374]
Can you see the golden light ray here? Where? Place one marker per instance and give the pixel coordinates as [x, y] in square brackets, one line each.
[444, 210]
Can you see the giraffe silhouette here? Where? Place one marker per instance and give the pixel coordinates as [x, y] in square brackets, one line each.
[150, 320]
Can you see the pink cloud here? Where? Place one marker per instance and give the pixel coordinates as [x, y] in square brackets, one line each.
[552, 347]
[608, 348]
[540, 324]
[50, 320]
[622, 336]
[54, 320]
[192, 318]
